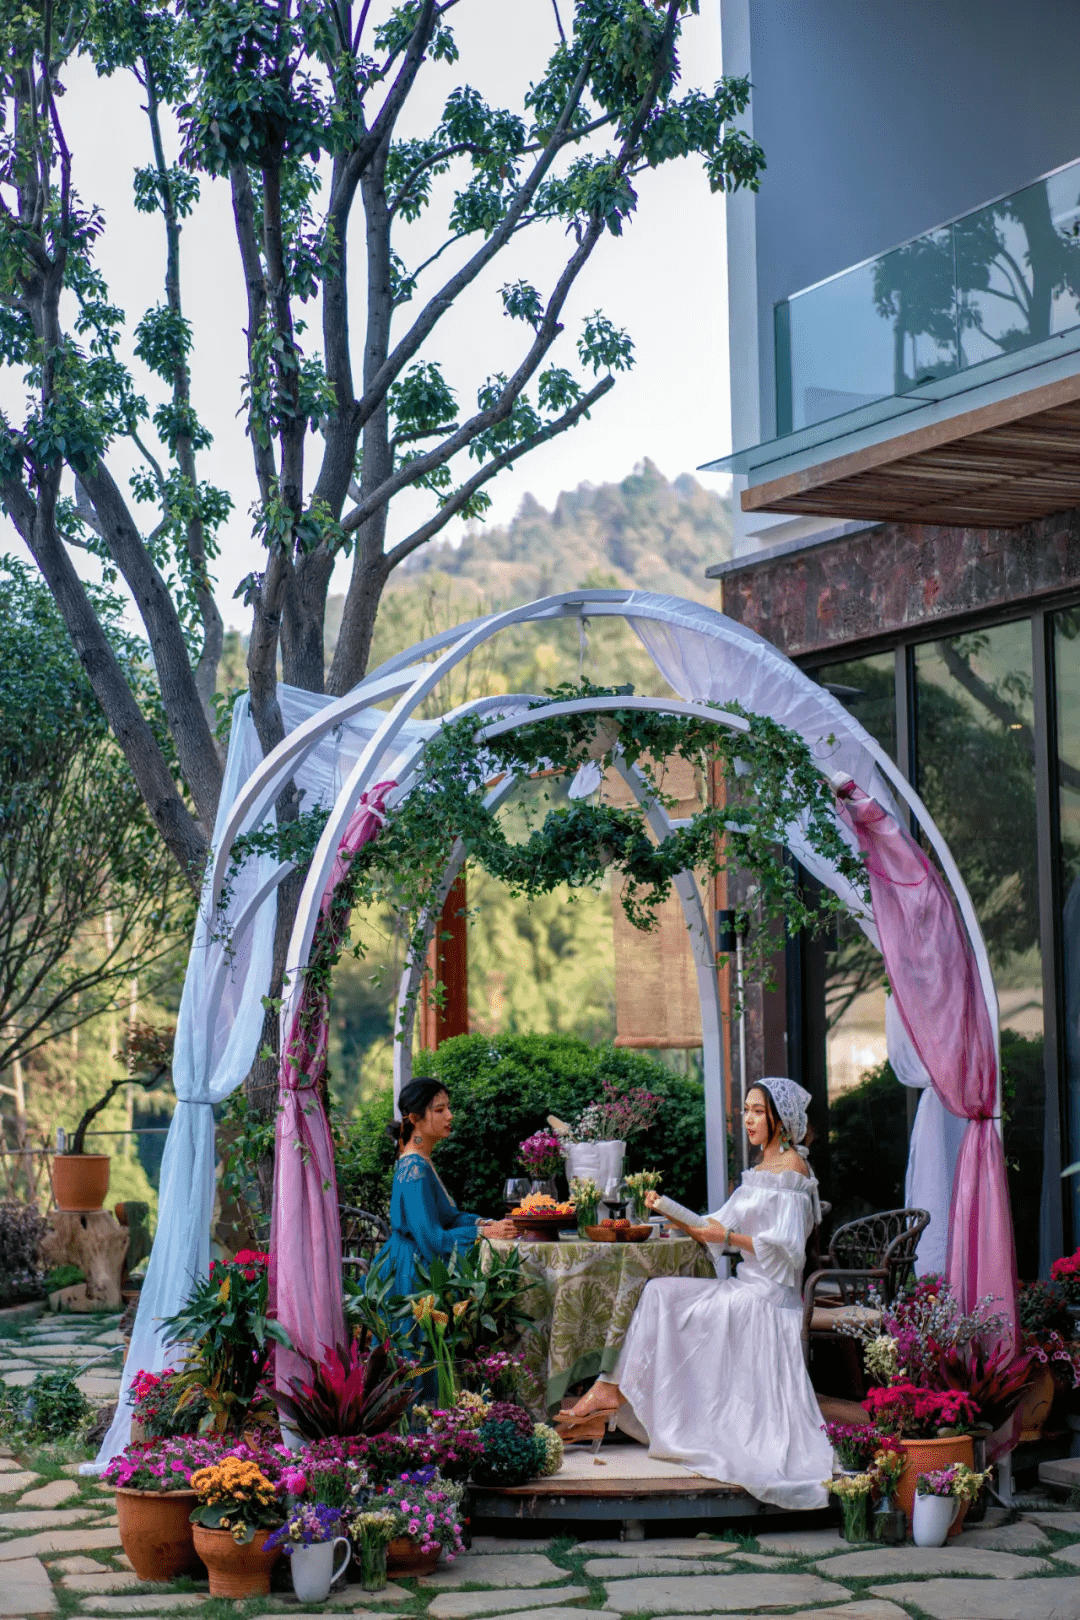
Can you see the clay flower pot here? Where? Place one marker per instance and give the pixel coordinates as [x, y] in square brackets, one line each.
[1035, 1403]
[926, 1457]
[236, 1570]
[157, 1533]
[80, 1181]
[403, 1557]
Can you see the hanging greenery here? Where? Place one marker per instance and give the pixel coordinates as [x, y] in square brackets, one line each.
[770, 782]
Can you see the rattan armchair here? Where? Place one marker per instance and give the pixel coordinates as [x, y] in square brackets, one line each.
[877, 1251]
[362, 1236]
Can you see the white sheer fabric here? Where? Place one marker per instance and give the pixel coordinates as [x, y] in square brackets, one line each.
[935, 1142]
[217, 1044]
[714, 1371]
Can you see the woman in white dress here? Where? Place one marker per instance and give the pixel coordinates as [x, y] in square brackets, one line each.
[713, 1371]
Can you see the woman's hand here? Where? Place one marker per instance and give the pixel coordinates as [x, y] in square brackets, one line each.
[497, 1229]
[709, 1232]
[652, 1198]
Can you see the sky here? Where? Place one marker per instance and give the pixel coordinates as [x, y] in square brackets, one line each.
[664, 281]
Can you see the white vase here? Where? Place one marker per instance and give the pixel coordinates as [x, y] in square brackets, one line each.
[313, 1572]
[601, 1162]
[931, 1519]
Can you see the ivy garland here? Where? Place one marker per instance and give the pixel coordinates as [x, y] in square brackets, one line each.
[770, 777]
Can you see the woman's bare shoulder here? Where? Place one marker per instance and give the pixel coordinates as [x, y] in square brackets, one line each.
[798, 1165]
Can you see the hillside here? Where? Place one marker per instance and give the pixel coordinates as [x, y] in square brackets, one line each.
[643, 531]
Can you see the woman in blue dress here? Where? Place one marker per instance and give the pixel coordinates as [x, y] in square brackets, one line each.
[424, 1220]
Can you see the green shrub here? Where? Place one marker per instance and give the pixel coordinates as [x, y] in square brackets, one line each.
[501, 1090]
[21, 1230]
[510, 1457]
[62, 1277]
[868, 1146]
[55, 1406]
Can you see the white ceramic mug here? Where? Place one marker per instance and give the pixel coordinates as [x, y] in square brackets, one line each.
[932, 1518]
[313, 1572]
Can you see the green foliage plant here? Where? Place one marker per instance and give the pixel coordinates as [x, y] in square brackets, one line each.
[511, 1456]
[479, 1292]
[229, 1337]
[54, 1406]
[21, 1231]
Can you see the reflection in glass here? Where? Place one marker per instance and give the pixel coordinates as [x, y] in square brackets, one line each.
[992, 283]
[867, 1106]
[976, 775]
[1067, 671]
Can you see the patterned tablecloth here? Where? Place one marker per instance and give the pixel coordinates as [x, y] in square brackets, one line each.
[581, 1299]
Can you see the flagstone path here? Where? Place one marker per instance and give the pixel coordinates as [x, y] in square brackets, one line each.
[60, 1553]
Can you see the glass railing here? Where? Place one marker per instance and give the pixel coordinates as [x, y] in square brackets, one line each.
[987, 287]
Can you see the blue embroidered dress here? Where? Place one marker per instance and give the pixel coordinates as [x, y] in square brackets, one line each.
[424, 1222]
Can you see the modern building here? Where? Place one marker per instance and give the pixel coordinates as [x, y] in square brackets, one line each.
[904, 312]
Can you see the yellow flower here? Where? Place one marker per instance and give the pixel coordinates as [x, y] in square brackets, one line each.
[424, 1307]
[440, 1317]
[461, 1307]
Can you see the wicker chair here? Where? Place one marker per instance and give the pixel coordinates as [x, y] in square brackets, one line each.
[362, 1236]
[877, 1250]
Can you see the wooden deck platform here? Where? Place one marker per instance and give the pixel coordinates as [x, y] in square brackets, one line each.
[622, 1482]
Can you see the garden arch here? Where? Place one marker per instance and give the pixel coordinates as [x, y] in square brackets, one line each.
[338, 750]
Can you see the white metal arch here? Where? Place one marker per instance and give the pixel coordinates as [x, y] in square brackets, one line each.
[411, 681]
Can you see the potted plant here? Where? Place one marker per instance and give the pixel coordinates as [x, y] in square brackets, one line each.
[1065, 1272]
[236, 1511]
[154, 1499]
[80, 1180]
[933, 1428]
[939, 1496]
[428, 1512]
[161, 1408]
[854, 1444]
[229, 1338]
[309, 1538]
[348, 1393]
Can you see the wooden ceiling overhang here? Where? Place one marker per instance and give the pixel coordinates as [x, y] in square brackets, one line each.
[998, 466]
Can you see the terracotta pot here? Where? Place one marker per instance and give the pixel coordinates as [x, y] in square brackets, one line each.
[80, 1180]
[1036, 1401]
[925, 1457]
[236, 1571]
[403, 1557]
[157, 1533]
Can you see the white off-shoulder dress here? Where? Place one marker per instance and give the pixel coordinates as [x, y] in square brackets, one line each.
[714, 1371]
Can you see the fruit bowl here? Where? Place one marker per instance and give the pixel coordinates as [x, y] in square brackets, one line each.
[539, 1219]
[619, 1234]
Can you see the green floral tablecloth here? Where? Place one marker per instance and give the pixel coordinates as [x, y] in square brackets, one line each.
[581, 1298]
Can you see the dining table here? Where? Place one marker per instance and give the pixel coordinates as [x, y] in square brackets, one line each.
[579, 1299]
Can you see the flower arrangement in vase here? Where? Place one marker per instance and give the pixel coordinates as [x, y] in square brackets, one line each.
[541, 1154]
[853, 1492]
[637, 1184]
[939, 1495]
[585, 1196]
[371, 1531]
[309, 1537]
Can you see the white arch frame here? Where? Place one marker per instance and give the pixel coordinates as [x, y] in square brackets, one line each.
[411, 681]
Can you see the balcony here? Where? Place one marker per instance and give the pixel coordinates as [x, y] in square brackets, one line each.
[939, 382]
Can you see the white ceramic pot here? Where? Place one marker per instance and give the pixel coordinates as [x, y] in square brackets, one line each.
[313, 1572]
[601, 1162]
[931, 1519]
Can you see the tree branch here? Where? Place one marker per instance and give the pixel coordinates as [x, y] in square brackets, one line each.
[463, 495]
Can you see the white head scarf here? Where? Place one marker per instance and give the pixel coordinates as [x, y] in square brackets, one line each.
[791, 1102]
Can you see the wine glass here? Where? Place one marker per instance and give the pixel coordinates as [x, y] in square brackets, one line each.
[515, 1190]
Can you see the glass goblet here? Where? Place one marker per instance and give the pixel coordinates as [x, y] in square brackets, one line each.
[515, 1190]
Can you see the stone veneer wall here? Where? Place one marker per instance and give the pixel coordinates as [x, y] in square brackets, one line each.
[896, 578]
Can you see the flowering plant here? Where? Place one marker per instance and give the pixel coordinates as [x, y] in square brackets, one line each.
[887, 1464]
[854, 1443]
[235, 1495]
[156, 1399]
[1066, 1273]
[639, 1183]
[1051, 1350]
[310, 1524]
[914, 1412]
[956, 1480]
[453, 1451]
[619, 1115]
[328, 1472]
[498, 1372]
[1042, 1309]
[850, 1487]
[586, 1197]
[541, 1154]
[164, 1464]
[231, 1336]
[374, 1524]
[427, 1509]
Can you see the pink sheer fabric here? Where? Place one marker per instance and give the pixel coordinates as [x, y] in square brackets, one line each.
[305, 1291]
[939, 997]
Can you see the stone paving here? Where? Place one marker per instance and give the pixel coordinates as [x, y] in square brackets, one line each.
[60, 1554]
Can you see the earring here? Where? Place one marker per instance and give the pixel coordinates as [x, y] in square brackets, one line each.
[417, 1139]
[784, 1143]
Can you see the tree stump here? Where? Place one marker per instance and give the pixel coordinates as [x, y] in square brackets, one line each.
[94, 1241]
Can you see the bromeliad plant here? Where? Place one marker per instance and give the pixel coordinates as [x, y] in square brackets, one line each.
[230, 1338]
[348, 1393]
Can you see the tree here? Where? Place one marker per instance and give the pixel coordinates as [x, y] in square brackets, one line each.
[299, 106]
[88, 893]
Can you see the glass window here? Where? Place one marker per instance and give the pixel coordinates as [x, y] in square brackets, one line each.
[976, 775]
[1067, 670]
[867, 1106]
